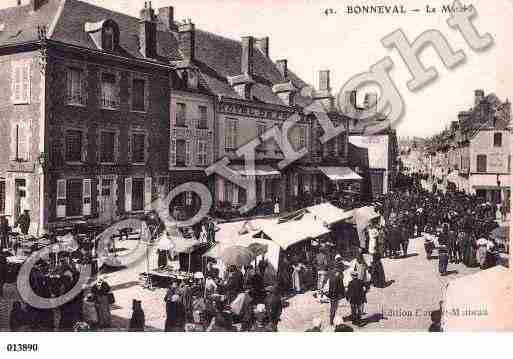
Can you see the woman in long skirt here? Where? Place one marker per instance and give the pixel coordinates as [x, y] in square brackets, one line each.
[101, 293]
[377, 272]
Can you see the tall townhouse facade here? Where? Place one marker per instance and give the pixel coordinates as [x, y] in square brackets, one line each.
[227, 93]
[483, 151]
[86, 117]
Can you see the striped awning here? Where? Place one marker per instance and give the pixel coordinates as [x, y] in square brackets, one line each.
[257, 171]
[340, 173]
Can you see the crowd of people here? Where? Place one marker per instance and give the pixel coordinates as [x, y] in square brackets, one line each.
[458, 224]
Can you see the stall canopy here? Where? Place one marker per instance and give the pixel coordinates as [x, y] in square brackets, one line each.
[329, 213]
[256, 171]
[480, 302]
[289, 233]
[340, 173]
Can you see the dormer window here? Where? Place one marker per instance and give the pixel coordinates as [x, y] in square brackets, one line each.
[108, 39]
[105, 34]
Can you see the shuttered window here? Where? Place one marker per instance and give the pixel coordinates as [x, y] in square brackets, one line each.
[61, 198]
[138, 95]
[138, 148]
[74, 145]
[20, 141]
[180, 115]
[203, 118]
[107, 148]
[21, 83]
[481, 163]
[74, 86]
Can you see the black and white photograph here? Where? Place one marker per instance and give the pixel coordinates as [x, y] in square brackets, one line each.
[254, 166]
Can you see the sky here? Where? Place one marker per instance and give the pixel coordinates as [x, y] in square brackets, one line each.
[348, 44]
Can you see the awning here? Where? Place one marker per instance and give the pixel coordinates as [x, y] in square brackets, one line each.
[289, 233]
[340, 173]
[257, 171]
[328, 213]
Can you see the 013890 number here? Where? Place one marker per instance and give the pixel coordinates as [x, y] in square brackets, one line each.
[22, 347]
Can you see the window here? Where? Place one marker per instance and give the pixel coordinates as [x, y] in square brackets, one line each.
[109, 98]
[2, 196]
[260, 132]
[137, 194]
[481, 163]
[497, 139]
[302, 137]
[180, 153]
[228, 191]
[203, 120]
[108, 39]
[74, 198]
[74, 86]
[180, 114]
[21, 83]
[202, 152]
[74, 139]
[138, 95]
[107, 147]
[230, 134]
[138, 148]
[20, 149]
[106, 187]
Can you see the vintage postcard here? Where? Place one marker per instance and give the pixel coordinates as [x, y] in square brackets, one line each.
[255, 166]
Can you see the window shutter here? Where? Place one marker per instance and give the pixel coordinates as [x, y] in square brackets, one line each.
[147, 194]
[25, 141]
[220, 189]
[14, 140]
[86, 197]
[198, 152]
[128, 194]
[26, 83]
[172, 154]
[188, 153]
[234, 133]
[61, 198]
[18, 79]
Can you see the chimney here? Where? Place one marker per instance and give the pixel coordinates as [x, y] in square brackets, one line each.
[167, 17]
[478, 96]
[246, 62]
[324, 80]
[34, 4]
[370, 102]
[186, 40]
[263, 45]
[282, 67]
[148, 31]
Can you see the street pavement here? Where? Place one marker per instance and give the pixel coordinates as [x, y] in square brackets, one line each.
[415, 289]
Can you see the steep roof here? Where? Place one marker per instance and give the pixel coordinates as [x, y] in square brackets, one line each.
[217, 57]
[20, 22]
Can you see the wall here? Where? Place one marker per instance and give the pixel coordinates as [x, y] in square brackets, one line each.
[497, 157]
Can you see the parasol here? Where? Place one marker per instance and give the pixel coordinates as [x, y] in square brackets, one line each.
[236, 255]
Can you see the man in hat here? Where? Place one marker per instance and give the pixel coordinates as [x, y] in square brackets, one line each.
[274, 307]
[24, 222]
[336, 289]
[355, 296]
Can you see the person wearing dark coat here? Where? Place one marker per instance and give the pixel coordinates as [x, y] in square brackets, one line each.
[274, 307]
[355, 296]
[17, 318]
[4, 233]
[175, 314]
[3, 271]
[377, 272]
[336, 292]
[234, 283]
[137, 321]
[24, 222]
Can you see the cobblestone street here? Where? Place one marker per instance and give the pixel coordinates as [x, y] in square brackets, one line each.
[415, 289]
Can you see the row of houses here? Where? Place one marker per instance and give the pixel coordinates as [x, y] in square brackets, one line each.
[102, 113]
[474, 154]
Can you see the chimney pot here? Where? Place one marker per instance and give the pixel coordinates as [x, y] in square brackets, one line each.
[247, 55]
[282, 67]
[324, 80]
[166, 16]
[263, 45]
[186, 40]
[148, 32]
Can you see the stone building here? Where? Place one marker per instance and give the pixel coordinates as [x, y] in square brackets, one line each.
[85, 111]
